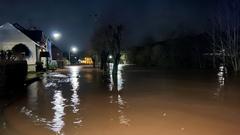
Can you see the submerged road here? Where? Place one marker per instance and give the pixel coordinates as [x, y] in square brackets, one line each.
[81, 101]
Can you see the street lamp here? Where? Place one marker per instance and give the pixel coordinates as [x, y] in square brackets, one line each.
[56, 35]
[74, 50]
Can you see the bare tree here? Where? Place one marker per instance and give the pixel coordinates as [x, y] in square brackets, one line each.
[116, 32]
[225, 33]
[106, 40]
[100, 42]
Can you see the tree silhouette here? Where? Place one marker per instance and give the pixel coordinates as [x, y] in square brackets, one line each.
[21, 51]
[225, 34]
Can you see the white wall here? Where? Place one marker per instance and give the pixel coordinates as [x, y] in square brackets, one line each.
[31, 46]
[10, 36]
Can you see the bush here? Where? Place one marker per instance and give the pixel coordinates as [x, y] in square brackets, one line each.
[39, 67]
[53, 65]
[13, 75]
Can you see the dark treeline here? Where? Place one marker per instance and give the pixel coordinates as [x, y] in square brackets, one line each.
[183, 52]
[218, 46]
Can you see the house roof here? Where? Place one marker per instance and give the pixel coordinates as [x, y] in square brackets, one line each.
[35, 34]
[9, 33]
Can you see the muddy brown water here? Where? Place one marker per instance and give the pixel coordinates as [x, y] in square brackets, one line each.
[80, 101]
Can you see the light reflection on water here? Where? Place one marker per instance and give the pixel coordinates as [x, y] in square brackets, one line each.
[33, 97]
[75, 86]
[221, 79]
[75, 99]
[123, 119]
[52, 83]
[74, 71]
[118, 84]
[126, 109]
[116, 98]
[54, 80]
[121, 108]
[59, 105]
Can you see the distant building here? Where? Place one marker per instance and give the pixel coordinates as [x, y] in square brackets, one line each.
[57, 55]
[86, 61]
[10, 35]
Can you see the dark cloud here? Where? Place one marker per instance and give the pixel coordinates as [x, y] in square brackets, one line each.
[76, 21]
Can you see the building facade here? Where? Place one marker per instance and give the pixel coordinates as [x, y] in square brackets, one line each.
[11, 36]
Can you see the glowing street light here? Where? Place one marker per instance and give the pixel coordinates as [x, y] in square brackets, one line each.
[74, 50]
[56, 35]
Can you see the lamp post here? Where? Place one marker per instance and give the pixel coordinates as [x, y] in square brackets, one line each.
[47, 52]
[74, 50]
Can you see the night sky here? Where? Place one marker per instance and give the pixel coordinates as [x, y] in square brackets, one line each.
[76, 21]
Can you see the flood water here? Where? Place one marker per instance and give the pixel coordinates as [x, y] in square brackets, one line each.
[81, 101]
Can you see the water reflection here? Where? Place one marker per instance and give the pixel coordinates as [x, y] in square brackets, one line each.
[89, 77]
[33, 96]
[59, 105]
[116, 81]
[55, 80]
[58, 84]
[121, 108]
[74, 71]
[221, 79]
[75, 86]
[75, 99]
[123, 119]
[36, 119]
[57, 123]
[166, 106]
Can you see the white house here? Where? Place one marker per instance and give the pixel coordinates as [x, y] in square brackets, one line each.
[10, 36]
